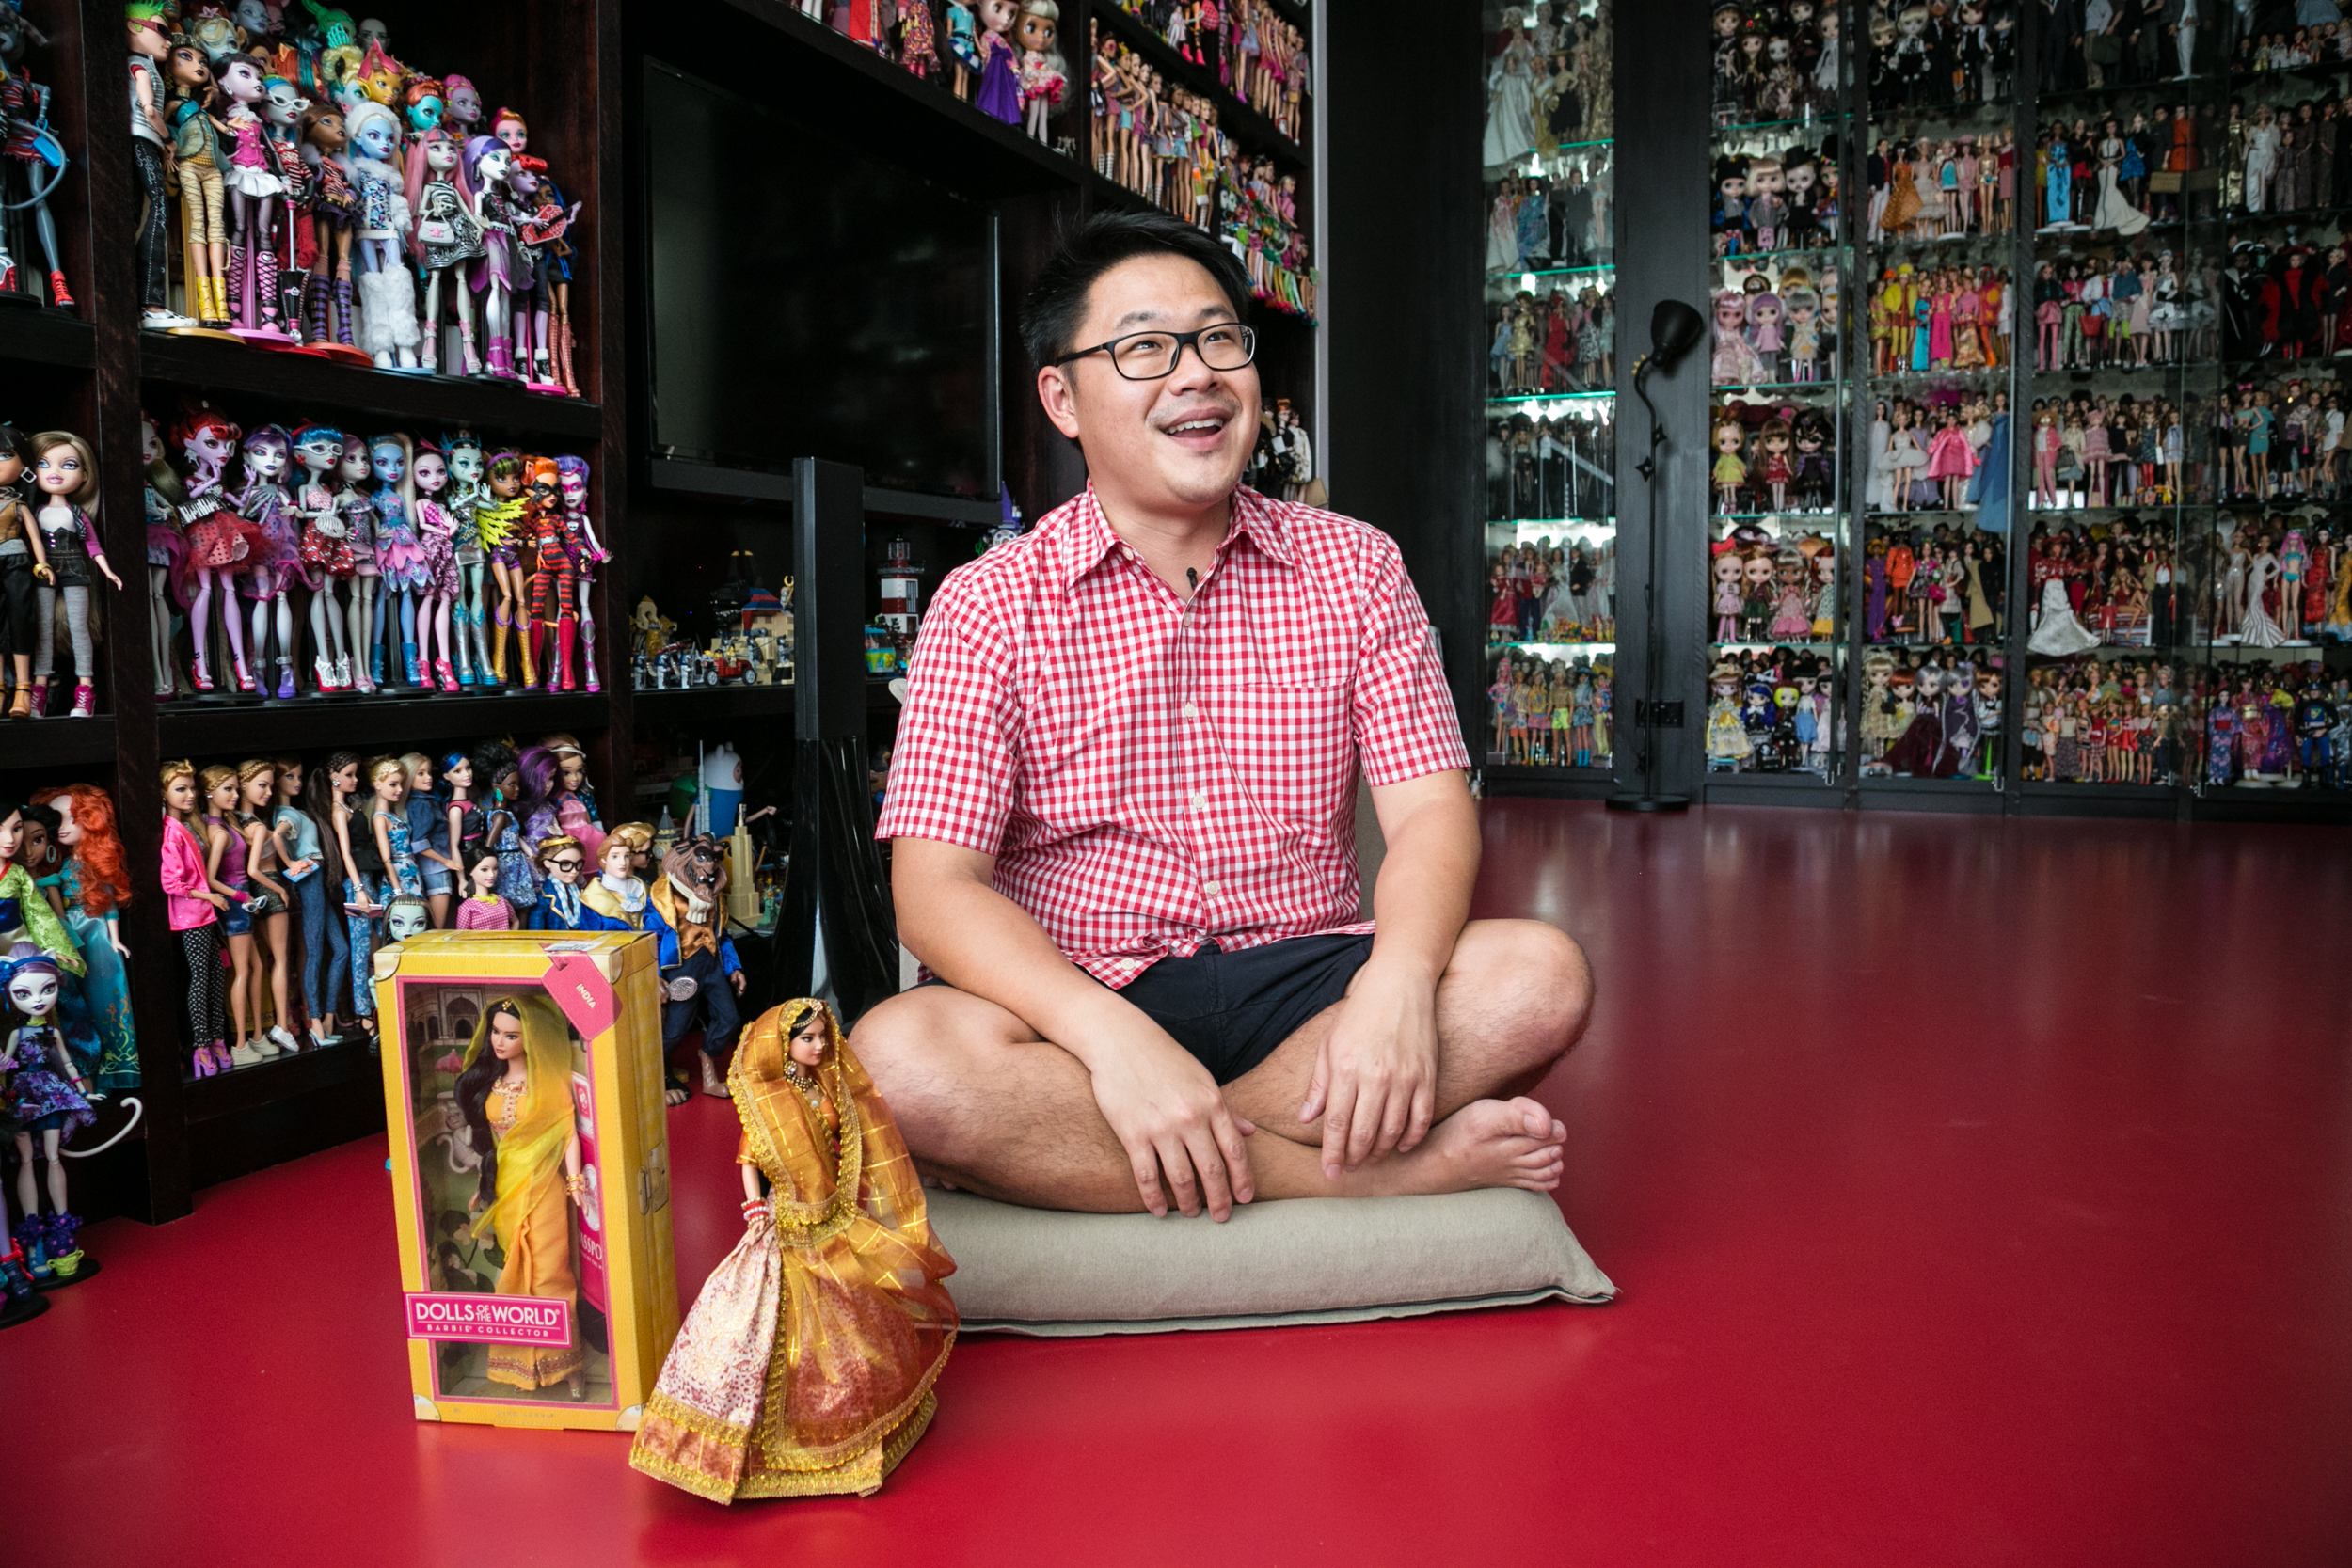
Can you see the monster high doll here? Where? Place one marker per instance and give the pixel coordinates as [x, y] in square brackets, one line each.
[65, 542]
[554, 591]
[465, 494]
[95, 884]
[388, 291]
[498, 520]
[150, 42]
[398, 557]
[277, 564]
[428, 478]
[45, 1100]
[446, 238]
[325, 551]
[489, 174]
[585, 552]
[220, 543]
[333, 212]
[540, 226]
[166, 554]
[254, 188]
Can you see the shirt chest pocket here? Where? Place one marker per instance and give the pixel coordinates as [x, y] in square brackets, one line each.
[1292, 749]
[1291, 645]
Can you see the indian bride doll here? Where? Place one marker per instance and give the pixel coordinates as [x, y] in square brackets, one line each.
[806, 1365]
[516, 1093]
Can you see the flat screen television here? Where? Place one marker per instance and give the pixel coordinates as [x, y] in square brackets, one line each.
[809, 300]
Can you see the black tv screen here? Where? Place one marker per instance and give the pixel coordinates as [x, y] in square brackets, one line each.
[809, 301]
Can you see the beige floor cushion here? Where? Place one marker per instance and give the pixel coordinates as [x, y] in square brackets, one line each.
[1308, 1260]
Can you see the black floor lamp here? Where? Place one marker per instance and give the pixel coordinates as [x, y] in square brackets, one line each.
[1675, 329]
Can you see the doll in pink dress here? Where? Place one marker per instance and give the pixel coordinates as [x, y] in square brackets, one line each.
[1952, 460]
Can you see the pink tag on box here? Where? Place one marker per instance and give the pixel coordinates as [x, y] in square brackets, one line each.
[582, 991]
[503, 1319]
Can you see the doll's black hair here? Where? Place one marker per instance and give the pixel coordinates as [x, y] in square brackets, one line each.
[16, 443]
[1056, 302]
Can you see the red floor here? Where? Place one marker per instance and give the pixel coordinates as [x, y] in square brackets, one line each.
[1981, 1193]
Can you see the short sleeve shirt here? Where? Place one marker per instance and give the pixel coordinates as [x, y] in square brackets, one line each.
[1153, 774]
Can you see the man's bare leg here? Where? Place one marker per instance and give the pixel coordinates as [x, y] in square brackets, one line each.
[987, 1105]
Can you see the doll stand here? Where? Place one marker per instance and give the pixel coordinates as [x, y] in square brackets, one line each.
[24, 1312]
[203, 332]
[342, 352]
[88, 1270]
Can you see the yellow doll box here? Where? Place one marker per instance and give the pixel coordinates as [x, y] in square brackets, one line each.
[531, 1176]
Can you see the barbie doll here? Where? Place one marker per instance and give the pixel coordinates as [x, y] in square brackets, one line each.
[514, 1092]
[225, 852]
[517, 885]
[265, 856]
[65, 548]
[95, 884]
[299, 839]
[388, 825]
[46, 1099]
[482, 908]
[363, 877]
[831, 1301]
[428, 835]
[196, 909]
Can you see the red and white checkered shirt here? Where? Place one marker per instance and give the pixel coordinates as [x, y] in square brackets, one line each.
[1150, 774]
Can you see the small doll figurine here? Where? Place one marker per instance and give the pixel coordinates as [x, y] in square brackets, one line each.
[1000, 84]
[686, 909]
[19, 620]
[388, 289]
[32, 155]
[44, 1100]
[918, 48]
[1777, 468]
[964, 47]
[554, 601]
[489, 169]
[464, 496]
[586, 553]
[498, 520]
[150, 41]
[482, 908]
[96, 884]
[445, 239]
[65, 548]
[436, 528]
[333, 208]
[618, 892]
[514, 1092]
[560, 908]
[831, 1303]
[1726, 575]
[275, 565]
[1044, 71]
[1731, 470]
[325, 551]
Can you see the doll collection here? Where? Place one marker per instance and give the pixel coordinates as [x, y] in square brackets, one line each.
[1944, 453]
[1927, 319]
[1549, 712]
[1934, 586]
[1545, 593]
[1770, 457]
[2280, 580]
[1768, 197]
[2121, 172]
[319, 561]
[2313, 42]
[1260, 58]
[51, 560]
[32, 161]
[1776, 61]
[2119, 312]
[1551, 222]
[999, 55]
[2091, 450]
[2118, 721]
[1771, 583]
[1549, 81]
[1771, 710]
[67, 1041]
[1779, 328]
[1940, 53]
[278, 867]
[2117, 584]
[1932, 189]
[336, 202]
[1555, 467]
[1560, 339]
[2275, 726]
[1932, 714]
[1257, 220]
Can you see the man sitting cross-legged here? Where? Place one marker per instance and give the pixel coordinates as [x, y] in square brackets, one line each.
[1122, 808]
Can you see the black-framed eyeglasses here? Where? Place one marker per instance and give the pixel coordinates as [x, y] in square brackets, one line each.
[567, 866]
[1149, 355]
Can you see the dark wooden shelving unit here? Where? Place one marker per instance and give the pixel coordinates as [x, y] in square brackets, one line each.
[43, 336]
[210, 365]
[1252, 129]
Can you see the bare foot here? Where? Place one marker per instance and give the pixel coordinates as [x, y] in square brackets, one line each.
[1487, 1143]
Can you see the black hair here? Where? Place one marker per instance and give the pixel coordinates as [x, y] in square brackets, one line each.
[1056, 302]
[473, 1098]
[15, 443]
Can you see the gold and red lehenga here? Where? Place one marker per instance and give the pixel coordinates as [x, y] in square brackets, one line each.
[806, 1365]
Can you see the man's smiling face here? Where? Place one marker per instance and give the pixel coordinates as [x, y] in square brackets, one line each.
[1176, 443]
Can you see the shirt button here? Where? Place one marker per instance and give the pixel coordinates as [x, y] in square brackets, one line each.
[1191, 712]
[1212, 889]
[1199, 800]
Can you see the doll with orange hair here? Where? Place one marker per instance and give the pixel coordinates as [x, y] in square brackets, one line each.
[554, 575]
[96, 886]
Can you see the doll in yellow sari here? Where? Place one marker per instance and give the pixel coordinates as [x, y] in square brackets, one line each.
[806, 1365]
[516, 1094]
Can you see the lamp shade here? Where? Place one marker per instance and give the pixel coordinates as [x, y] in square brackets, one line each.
[1675, 329]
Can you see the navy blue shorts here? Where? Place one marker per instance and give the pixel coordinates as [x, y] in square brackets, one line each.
[1231, 1010]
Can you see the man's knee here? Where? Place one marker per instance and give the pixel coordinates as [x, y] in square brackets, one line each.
[1538, 987]
[924, 1053]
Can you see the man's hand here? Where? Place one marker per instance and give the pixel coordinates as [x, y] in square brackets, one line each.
[1375, 1079]
[1178, 1134]
[736, 979]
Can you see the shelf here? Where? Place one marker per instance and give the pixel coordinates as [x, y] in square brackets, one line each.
[46, 337]
[1258, 132]
[1551, 272]
[700, 704]
[486, 404]
[1780, 388]
[205, 729]
[1105, 188]
[57, 742]
[306, 1072]
[1550, 397]
[827, 80]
